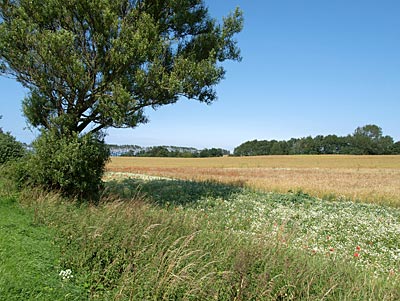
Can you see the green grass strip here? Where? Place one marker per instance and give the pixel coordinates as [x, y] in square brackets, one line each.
[29, 260]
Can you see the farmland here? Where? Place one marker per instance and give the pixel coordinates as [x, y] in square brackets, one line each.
[373, 179]
[158, 235]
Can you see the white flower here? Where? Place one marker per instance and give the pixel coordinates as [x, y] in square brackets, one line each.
[65, 275]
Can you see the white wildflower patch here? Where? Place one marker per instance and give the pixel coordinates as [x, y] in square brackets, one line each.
[66, 275]
[366, 234]
[111, 175]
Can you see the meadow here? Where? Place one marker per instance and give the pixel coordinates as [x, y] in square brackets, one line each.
[374, 179]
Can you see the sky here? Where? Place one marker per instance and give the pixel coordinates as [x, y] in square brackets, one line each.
[310, 67]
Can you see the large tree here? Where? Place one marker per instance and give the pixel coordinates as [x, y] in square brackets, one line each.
[94, 64]
[369, 140]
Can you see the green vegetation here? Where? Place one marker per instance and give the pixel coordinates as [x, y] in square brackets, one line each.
[29, 260]
[89, 70]
[71, 165]
[163, 151]
[10, 149]
[366, 140]
[158, 239]
[90, 65]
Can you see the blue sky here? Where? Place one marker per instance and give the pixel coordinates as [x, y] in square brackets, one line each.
[309, 67]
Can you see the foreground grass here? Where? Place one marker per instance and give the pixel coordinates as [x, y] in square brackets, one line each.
[373, 179]
[180, 240]
[29, 261]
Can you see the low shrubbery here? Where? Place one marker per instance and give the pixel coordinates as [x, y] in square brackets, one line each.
[72, 165]
[10, 149]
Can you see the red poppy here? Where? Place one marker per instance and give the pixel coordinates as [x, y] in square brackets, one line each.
[358, 248]
[356, 254]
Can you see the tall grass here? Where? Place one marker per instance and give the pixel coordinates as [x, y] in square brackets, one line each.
[149, 247]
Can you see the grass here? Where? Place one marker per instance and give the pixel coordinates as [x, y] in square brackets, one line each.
[373, 179]
[334, 229]
[29, 260]
[157, 239]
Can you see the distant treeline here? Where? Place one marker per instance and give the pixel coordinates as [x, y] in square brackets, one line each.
[166, 151]
[161, 151]
[366, 140]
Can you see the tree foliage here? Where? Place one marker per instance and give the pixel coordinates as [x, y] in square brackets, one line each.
[173, 152]
[95, 64]
[10, 149]
[366, 140]
[72, 165]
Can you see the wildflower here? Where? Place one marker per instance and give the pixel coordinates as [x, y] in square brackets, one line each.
[65, 275]
[358, 248]
[356, 254]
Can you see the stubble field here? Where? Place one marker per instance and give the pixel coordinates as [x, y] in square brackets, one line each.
[374, 179]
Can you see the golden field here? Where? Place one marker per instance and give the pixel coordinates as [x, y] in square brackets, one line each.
[365, 178]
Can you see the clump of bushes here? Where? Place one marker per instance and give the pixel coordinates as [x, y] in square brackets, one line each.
[70, 164]
[10, 148]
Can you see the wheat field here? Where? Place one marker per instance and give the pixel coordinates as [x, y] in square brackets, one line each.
[362, 178]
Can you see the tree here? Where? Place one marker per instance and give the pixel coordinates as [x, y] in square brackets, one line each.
[369, 140]
[276, 148]
[94, 64]
[10, 148]
[371, 131]
[365, 140]
[395, 148]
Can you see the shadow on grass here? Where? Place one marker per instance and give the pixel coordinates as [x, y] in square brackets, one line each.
[170, 192]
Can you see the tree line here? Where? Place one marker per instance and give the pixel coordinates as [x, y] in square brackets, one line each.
[177, 152]
[366, 140]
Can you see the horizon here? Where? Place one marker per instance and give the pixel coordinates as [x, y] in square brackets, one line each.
[308, 69]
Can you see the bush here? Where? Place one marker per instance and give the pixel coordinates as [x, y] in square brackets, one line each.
[72, 165]
[10, 149]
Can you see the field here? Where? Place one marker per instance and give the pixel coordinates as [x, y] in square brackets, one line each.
[158, 235]
[373, 179]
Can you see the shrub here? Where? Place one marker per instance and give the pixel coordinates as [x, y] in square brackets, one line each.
[10, 149]
[72, 165]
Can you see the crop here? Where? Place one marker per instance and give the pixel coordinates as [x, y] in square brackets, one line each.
[373, 179]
